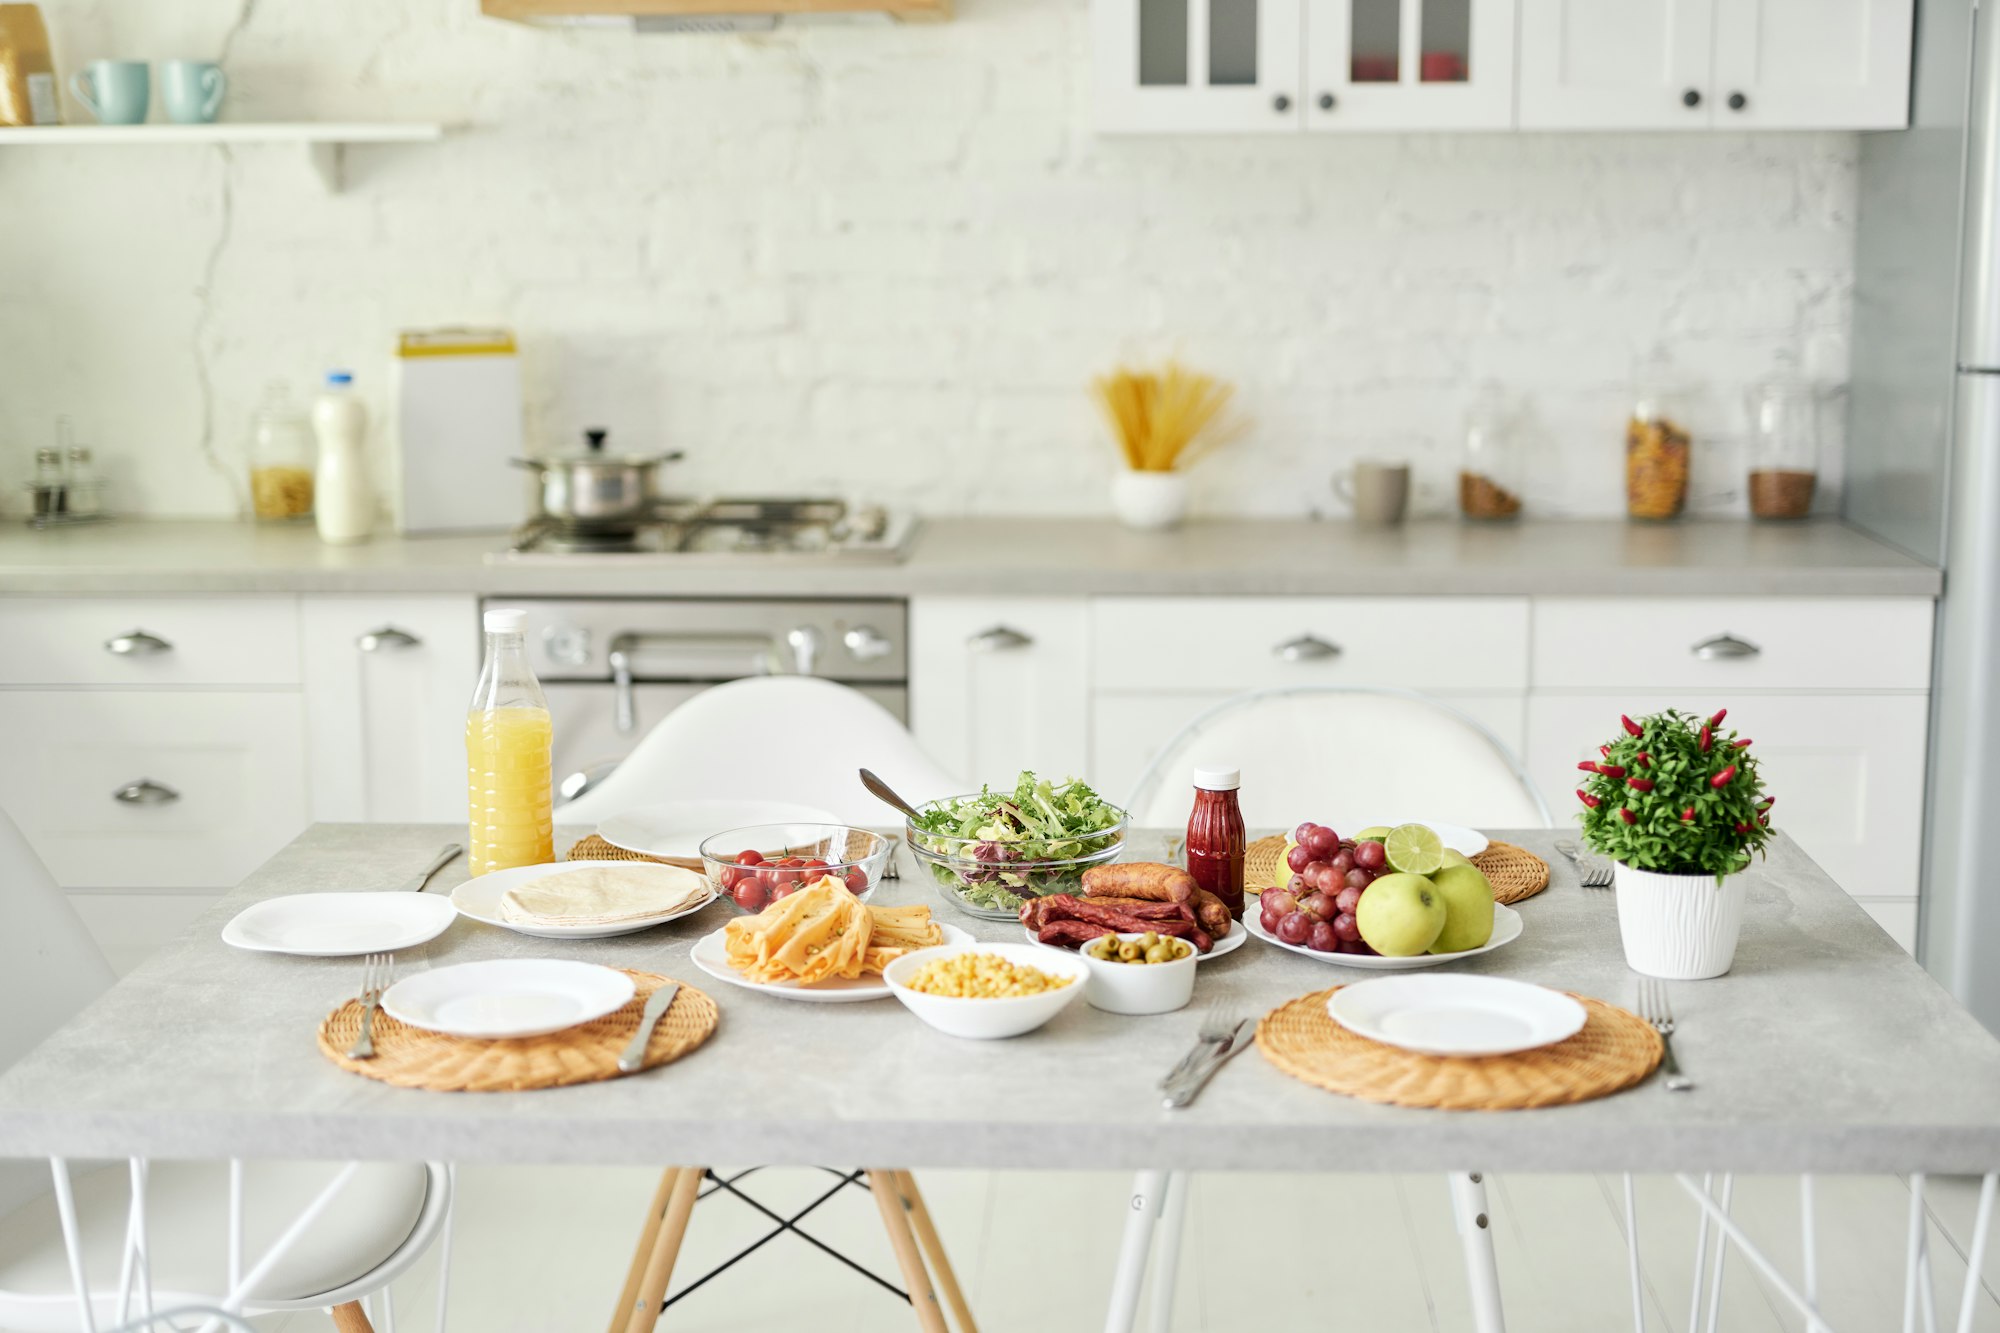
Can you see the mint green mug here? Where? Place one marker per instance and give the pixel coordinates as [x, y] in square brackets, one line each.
[114, 92]
[191, 90]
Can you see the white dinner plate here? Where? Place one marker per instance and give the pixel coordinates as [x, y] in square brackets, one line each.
[339, 925]
[1456, 1015]
[679, 829]
[1229, 943]
[1506, 929]
[480, 899]
[711, 955]
[507, 997]
[1465, 841]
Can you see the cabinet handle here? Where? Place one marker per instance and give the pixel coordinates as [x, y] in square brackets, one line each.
[1327, 101]
[1737, 101]
[1307, 648]
[375, 640]
[146, 792]
[1281, 103]
[867, 644]
[1691, 98]
[1723, 647]
[998, 639]
[137, 644]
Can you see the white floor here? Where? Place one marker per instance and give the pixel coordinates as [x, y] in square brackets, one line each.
[542, 1250]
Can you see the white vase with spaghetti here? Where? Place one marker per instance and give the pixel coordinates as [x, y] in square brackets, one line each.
[1163, 420]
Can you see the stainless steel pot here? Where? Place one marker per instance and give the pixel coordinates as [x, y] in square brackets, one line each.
[598, 490]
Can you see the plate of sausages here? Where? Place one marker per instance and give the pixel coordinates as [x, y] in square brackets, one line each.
[1136, 896]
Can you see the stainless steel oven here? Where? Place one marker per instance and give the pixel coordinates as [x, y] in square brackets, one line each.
[612, 667]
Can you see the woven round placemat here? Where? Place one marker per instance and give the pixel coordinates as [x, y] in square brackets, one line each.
[1613, 1051]
[416, 1058]
[1514, 872]
[594, 848]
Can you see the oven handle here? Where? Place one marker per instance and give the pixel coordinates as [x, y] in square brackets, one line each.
[625, 711]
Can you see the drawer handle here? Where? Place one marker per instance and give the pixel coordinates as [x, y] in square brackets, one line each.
[137, 644]
[998, 639]
[375, 640]
[146, 792]
[1307, 648]
[1725, 647]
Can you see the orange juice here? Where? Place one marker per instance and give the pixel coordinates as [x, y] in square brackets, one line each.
[508, 788]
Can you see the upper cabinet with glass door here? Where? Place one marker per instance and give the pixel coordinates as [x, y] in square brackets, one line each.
[1179, 66]
[1409, 64]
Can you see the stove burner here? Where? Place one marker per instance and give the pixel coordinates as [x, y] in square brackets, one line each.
[729, 525]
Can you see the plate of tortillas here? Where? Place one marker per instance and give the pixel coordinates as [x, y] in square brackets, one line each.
[581, 900]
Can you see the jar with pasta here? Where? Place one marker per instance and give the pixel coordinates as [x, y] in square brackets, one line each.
[282, 455]
[1657, 451]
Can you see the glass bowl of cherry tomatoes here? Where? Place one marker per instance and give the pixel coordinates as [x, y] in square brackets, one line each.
[756, 866]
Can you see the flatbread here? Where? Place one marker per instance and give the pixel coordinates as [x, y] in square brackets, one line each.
[604, 894]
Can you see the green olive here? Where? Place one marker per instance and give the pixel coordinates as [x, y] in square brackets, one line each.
[1128, 952]
[1159, 953]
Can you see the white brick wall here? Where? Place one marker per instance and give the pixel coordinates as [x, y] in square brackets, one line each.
[885, 259]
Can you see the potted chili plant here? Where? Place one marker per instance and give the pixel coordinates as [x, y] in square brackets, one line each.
[1675, 802]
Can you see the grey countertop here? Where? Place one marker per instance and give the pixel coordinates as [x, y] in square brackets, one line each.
[999, 556]
[1826, 1049]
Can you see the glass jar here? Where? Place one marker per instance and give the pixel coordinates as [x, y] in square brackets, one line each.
[1657, 453]
[1217, 841]
[1784, 448]
[49, 486]
[1489, 468]
[282, 458]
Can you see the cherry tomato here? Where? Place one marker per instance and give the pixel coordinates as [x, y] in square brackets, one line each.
[813, 863]
[857, 880]
[750, 896]
[727, 877]
[749, 858]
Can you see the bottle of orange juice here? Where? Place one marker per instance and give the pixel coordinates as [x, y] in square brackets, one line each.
[507, 765]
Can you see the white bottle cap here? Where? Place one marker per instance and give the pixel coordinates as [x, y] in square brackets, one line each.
[507, 621]
[1211, 777]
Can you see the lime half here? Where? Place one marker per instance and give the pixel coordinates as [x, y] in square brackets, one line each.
[1414, 849]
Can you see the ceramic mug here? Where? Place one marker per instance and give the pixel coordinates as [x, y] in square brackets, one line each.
[191, 90]
[114, 92]
[1378, 492]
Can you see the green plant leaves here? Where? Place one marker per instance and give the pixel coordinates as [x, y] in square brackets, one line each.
[1729, 825]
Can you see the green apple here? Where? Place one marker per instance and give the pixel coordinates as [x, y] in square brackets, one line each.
[1400, 915]
[1453, 857]
[1468, 908]
[1281, 875]
[1376, 834]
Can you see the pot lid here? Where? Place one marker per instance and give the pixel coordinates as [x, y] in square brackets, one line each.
[594, 451]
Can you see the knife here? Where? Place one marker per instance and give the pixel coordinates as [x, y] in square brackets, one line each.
[438, 862]
[656, 1008]
[1190, 1086]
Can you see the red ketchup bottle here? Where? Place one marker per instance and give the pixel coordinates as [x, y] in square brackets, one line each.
[1216, 839]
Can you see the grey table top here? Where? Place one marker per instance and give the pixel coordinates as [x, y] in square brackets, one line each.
[1826, 1049]
[1013, 556]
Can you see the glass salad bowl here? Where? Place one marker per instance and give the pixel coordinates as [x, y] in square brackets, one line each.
[755, 866]
[992, 867]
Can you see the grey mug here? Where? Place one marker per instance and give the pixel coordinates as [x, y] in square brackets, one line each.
[191, 90]
[114, 92]
[1378, 492]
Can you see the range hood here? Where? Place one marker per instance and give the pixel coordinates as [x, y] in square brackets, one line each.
[670, 16]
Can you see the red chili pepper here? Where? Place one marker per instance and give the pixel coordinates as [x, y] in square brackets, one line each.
[1587, 766]
[1627, 815]
[1767, 802]
[1631, 728]
[1640, 784]
[1715, 719]
[1704, 740]
[1645, 760]
[1687, 815]
[1588, 799]
[1742, 827]
[1611, 770]
[1740, 745]
[1722, 779]
[1765, 820]
[1604, 750]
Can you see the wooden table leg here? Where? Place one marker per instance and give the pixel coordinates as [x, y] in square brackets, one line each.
[351, 1318]
[645, 1312]
[933, 1248]
[885, 1186]
[621, 1314]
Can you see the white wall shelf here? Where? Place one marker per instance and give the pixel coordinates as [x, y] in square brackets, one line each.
[325, 142]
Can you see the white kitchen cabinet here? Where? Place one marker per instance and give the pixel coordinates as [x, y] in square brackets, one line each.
[387, 680]
[1182, 66]
[1409, 65]
[999, 684]
[1724, 64]
[149, 642]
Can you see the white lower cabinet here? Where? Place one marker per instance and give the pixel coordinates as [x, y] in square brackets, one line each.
[999, 684]
[387, 680]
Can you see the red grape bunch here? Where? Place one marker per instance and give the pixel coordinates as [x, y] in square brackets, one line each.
[1329, 874]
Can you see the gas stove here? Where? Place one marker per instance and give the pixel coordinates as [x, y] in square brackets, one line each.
[729, 526]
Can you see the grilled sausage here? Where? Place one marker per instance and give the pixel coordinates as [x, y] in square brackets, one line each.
[1212, 913]
[1140, 879]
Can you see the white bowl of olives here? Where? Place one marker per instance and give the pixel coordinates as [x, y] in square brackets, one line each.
[1137, 973]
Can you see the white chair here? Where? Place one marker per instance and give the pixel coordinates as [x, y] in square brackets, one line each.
[773, 738]
[1340, 754]
[108, 1245]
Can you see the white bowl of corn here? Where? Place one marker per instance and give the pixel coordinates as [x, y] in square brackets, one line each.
[984, 991]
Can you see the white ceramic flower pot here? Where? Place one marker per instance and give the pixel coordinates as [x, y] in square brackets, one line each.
[1680, 927]
[1149, 500]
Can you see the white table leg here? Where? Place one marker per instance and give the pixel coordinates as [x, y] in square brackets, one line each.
[1913, 1253]
[1721, 1253]
[1167, 1253]
[1700, 1254]
[1632, 1273]
[444, 1245]
[1148, 1196]
[1475, 1238]
[1975, 1260]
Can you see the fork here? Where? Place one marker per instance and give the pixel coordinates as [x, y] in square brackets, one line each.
[1653, 1008]
[376, 971]
[1216, 1026]
[1591, 874]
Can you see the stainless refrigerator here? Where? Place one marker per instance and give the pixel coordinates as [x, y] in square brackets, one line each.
[1924, 449]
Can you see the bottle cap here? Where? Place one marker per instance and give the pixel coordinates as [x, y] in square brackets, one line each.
[1214, 777]
[506, 621]
[340, 377]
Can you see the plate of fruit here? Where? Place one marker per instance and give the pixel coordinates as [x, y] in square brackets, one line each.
[1386, 899]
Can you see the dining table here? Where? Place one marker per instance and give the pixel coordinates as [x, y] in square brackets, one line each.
[1825, 1049]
